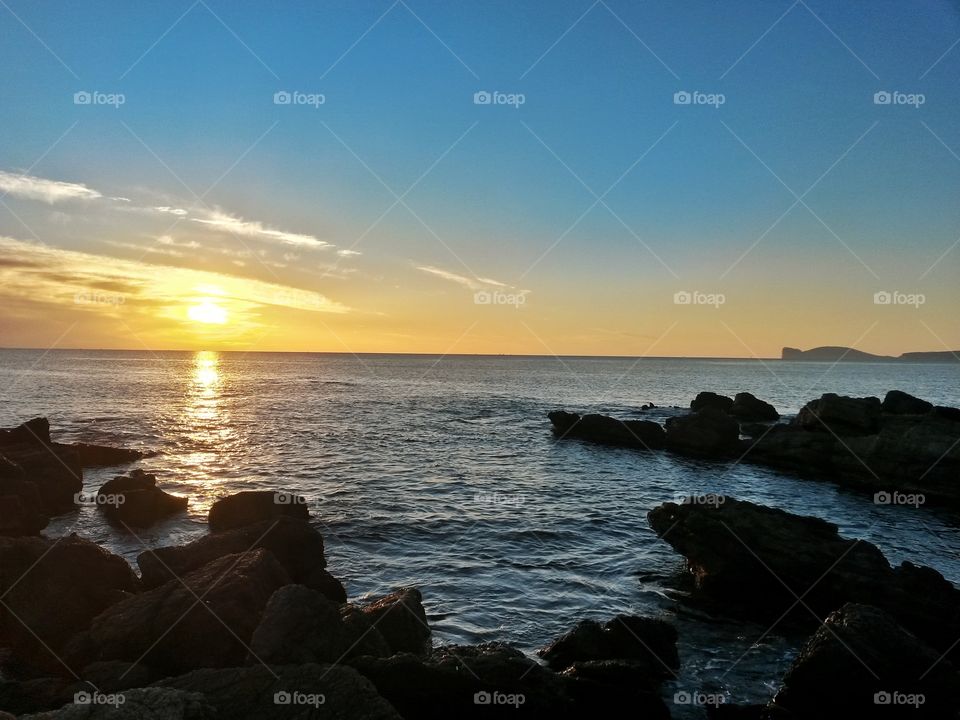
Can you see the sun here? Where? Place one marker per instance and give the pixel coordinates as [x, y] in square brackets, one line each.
[207, 312]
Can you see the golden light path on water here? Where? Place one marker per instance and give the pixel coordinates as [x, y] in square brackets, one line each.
[205, 419]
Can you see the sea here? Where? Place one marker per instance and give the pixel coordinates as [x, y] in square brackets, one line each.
[441, 472]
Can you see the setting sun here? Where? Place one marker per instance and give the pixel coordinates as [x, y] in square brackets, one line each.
[207, 312]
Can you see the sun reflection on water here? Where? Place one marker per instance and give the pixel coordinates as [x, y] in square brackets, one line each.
[207, 425]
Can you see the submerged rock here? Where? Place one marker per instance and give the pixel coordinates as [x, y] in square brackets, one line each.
[642, 434]
[648, 644]
[861, 663]
[754, 562]
[136, 500]
[204, 620]
[297, 546]
[92, 456]
[252, 506]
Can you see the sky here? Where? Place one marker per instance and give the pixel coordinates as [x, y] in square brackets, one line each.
[563, 177]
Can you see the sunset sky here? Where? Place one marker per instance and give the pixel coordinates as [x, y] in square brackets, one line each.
[155, 195]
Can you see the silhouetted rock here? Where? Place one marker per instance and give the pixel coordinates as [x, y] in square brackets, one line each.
[92, 455]
[52, 590]
[861, 663]
[297, 546]
[649, 644]
[38, 694]
[898, 402]
[746, 407]
[708, 399]
[20, 506]
[136, 500]
[401, 620]
[840, 415]
[642, 434]
[706, 433]
[331, 692]
[135, 704]
[205, 620]
[752, 561]
[54, 469]
[300, 625]
[252, 506]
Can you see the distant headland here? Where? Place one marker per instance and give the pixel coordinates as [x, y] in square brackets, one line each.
[833, 353]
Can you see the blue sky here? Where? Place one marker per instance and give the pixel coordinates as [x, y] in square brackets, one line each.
[509, 192]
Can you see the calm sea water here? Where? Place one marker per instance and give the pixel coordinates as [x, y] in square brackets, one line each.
[441, 472]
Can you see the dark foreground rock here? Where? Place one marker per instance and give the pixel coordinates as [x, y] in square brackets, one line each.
[297, 546]
[53, 589]
[860, 663]
[333, 692]
[752, 561]
[749, 408]
[252, 506]
[136, 704]
[93, 456]
[136, 500]
[299, 625]
[647, 644]
[205, 620]
[708, 399]
[706, 433]
[402, 621]
[858, 443]
[27, 452]
[642, 434]
[21, 510]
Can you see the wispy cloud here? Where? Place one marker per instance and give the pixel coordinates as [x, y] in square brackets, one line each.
[48, 191]
[251, 228]
[472, 283]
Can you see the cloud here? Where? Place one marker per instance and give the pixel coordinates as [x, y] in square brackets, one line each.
[474, 283]
[252, 228]
[348, 253]
[48, 191]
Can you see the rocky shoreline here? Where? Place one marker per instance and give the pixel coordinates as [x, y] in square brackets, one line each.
[247, 621]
